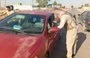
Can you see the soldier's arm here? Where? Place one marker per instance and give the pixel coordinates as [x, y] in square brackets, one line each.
[62, 22]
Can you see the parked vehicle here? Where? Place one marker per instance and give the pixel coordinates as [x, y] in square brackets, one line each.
[24, 34]
[85, 20]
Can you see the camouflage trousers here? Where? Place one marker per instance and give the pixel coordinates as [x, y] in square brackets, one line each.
[71, 37]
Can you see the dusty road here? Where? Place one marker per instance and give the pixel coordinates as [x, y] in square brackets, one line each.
[84, 50]
[83, 46]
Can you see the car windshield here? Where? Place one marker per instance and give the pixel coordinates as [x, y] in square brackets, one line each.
[86, 16]
[28, 23]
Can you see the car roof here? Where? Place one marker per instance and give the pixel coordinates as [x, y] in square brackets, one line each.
[36, 12]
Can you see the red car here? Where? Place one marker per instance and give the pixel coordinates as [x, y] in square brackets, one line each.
[24, 34]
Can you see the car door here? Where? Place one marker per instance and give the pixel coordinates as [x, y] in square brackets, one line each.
[51, 36]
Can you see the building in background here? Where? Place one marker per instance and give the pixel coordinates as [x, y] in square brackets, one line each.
[22, 7]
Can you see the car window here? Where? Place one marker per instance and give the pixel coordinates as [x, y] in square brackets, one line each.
[88, 16]
[84, 16]
[16, 19]
[25, 22]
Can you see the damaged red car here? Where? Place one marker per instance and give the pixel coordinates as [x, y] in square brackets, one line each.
[25, 34]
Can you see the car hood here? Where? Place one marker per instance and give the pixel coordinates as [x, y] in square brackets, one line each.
[16, 46]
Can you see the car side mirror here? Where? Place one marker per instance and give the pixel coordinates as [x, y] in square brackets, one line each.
[53, 30]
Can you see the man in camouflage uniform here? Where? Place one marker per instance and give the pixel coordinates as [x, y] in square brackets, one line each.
[67, 21]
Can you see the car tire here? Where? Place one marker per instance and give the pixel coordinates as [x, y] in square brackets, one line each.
[46, 55]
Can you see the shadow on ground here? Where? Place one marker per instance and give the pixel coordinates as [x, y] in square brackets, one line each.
[60, 49]
[81, 39]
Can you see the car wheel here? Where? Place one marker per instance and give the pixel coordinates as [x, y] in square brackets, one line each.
[46, 55]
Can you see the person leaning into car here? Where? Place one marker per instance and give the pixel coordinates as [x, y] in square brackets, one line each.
[67, 21]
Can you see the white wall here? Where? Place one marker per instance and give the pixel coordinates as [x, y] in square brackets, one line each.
[22, 7]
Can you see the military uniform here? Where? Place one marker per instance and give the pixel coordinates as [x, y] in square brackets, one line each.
[67, 21]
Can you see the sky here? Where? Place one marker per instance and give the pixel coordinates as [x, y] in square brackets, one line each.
[67, 3]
